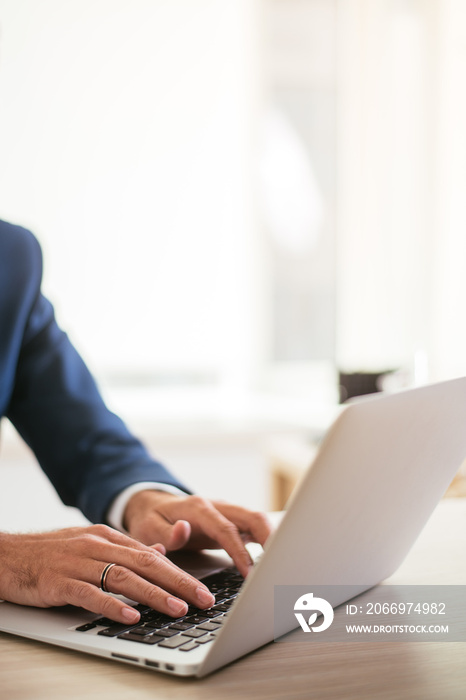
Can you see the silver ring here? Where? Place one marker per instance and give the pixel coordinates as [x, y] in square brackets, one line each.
[103, 578]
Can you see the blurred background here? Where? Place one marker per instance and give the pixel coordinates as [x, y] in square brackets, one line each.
[239, 202]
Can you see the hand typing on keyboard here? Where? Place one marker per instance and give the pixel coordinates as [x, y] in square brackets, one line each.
[71, 566]
[95, 463]
[197, 523]
[186, 633]
[66, 567]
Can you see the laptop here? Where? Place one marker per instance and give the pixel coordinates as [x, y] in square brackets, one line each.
[378, 474]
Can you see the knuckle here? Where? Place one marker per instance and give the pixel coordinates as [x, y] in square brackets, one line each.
[199, 502]
[118, 574]
[260, 519]
[80, 589]
[146, 559]
[86, 540]
[181, 581]
[100, 530]
[228, 528]
[74, 590]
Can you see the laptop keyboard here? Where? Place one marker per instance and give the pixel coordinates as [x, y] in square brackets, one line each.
[184, 633]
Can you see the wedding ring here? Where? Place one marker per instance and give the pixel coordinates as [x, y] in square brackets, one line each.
[103, 578]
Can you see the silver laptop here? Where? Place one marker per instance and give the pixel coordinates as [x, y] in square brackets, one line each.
[377, 477]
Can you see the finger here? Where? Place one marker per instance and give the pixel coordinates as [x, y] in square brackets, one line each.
[91, 554]
[93, 532]
[114, 549]
[159, 547]
[125, 582]
[96, 537]
[179, 535]
[223, 531]
[112, 535]
[109, 534]
[249, 522]
[170, 580]
[220, 530]
[103, 547]
[173, 533]
[84, 595]
[151, 567]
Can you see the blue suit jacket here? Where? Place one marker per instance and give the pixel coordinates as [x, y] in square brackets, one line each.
[48, 394]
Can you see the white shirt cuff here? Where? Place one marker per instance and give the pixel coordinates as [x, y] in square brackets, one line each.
[117, 508]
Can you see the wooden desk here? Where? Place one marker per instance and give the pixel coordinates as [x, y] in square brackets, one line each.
[389, 671]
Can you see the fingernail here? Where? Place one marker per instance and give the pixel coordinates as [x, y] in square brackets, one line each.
[205, 597]
[176, 606]
[130, 614]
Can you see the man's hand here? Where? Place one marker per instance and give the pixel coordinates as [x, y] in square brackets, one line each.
[65, 567]
[195, 523]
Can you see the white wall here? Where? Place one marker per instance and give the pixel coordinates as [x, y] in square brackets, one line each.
[448, 339]
[401, 285]
[125, 132]
[127, 142]
[384, 246]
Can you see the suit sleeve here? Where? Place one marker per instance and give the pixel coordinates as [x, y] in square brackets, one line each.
[86, 450]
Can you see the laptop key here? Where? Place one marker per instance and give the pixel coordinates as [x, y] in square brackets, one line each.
[167, 632]
[143, 631]
[141, 607]
[86, 627]
[215, 579]
[209, 626]
[115, 630]
[195, 632]
[192, 610]
[189, 647]
[222, 608]
[160, 618]
[149, 639]
[181, 626]
[104, 622]
[174, 642]
[218, 620]
[196, 619]
[152, 626]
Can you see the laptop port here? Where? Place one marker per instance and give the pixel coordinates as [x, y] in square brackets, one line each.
[124, 657]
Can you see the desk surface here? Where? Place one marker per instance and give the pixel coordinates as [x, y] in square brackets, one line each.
[34, 671]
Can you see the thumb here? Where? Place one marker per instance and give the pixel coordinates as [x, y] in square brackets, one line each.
[169, 535]
[178, 536]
